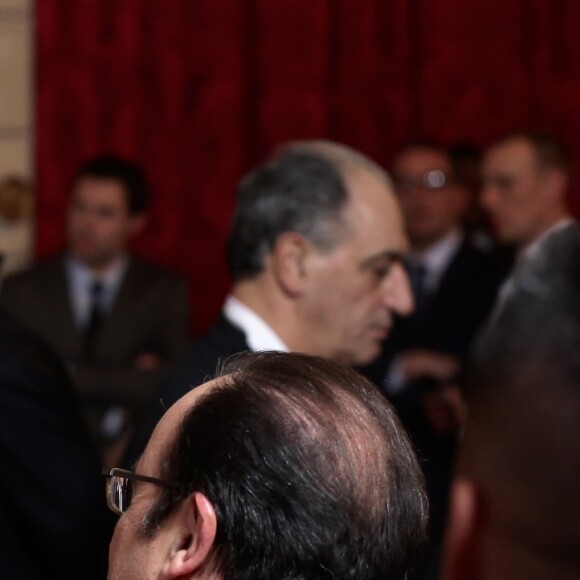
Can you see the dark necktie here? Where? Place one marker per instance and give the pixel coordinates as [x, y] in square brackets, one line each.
[95, 319]
[417, 273]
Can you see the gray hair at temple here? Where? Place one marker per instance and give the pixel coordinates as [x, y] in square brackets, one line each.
[303, 188]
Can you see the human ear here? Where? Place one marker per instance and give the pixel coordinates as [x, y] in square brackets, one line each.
[461, 552]
[557, 182]
[289, 262]
[197, 524]
[137, 223]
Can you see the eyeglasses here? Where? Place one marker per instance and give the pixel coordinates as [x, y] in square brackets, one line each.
[120, 484]
[434, 180]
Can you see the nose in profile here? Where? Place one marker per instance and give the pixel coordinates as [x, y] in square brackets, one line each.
[398, 294]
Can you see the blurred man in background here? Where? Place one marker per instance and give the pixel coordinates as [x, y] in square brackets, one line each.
[315, 253]
[118, 320]
[454, 284]
[526, 177]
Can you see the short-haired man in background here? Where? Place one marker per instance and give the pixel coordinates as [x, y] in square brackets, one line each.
[525, 181]
[118, 320]
[287, 467]
[315, 253]
[515, 506]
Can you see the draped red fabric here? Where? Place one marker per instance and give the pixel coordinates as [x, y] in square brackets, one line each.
[198, 91]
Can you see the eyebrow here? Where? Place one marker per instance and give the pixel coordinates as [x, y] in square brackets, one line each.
[390, 255]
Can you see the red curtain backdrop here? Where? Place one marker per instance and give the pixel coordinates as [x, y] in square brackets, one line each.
[198, 91]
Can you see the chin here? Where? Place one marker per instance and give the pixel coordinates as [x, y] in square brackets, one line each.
[369, 355]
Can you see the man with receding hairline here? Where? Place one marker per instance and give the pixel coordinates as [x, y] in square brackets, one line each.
[315, 254]
[288, 467]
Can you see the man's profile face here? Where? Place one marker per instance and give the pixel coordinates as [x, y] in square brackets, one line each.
[512, 192]
[358, 285]
[132, 555]
[432, 203]
[99, 223]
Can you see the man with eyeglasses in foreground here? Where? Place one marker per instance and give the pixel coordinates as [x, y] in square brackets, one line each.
[287, 466]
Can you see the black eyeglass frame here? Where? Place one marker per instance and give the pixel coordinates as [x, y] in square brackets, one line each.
[131, 476]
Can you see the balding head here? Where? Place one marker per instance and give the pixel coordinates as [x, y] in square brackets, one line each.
[315, 250]
[522, 442]
[303, 188]
[302, 462]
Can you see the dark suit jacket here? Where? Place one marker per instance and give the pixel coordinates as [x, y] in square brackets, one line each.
[200, 364]
[453, 314]
[53, 518]
[447, 324]
[150, 314]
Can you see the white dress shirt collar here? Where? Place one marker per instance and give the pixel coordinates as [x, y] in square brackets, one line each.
[259, 335]
[80, 277]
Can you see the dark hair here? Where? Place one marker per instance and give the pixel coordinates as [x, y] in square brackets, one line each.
[549, 151]
[466, 160]
[127, 173]
[301, 190]
[309, 471]
[523, 435]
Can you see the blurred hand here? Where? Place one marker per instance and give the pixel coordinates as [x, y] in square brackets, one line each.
[445, 410]
[419, 363]
[147, 361]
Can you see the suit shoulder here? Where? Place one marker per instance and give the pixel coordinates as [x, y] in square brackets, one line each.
[22, 288]
[41, 271]
[18, 343]
[146, 270]
[205, 356]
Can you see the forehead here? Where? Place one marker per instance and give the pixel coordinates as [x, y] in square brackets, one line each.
[372, 214]
[103, 191]
[420, 160]
[166, 430]
[513, 156]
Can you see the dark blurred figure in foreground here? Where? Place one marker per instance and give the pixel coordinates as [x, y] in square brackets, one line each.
[455, 284]
[288, 467]
[118, 320]
[515, 508]
[315, 252]
[52, 522]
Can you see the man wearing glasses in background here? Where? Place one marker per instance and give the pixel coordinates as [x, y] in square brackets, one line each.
[287, 467]
[454, 284]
